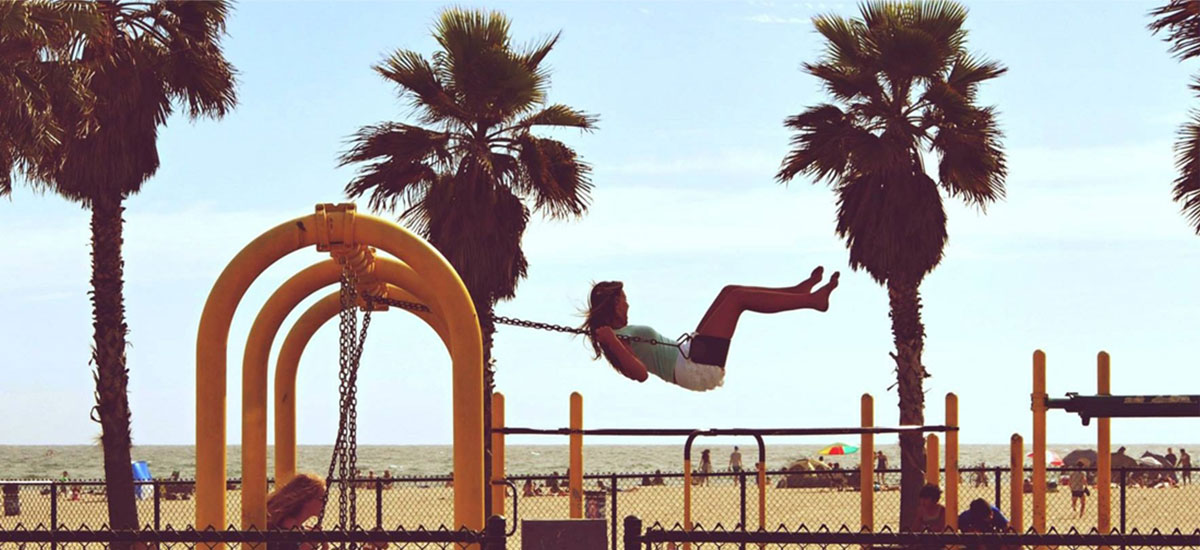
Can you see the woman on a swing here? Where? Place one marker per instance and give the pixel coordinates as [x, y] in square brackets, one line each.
[689, 365]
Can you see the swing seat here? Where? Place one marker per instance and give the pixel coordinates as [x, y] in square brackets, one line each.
[709, 350]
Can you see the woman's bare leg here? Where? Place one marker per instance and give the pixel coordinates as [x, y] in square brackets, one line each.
[722, 318]
[804, 287]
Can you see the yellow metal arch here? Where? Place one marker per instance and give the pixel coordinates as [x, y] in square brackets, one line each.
[289, 362]
[334, 226]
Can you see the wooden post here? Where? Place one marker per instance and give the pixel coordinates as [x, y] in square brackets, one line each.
[1103, 452]
[1016, 484]
[499, 491]
[932, 476]
[1039, 442]
[575, 480]
[951, 461]
[866, 467]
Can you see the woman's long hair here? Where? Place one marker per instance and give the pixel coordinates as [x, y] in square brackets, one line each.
[287, 501]
[602, 310]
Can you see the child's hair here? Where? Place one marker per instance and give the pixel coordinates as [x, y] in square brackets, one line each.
[287, 501]
[602, 310]
[980, 507]
[930, 491]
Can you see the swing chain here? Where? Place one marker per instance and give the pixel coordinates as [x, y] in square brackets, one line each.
[514, 322]
[345, 451]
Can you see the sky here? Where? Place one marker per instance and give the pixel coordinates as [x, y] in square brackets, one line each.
[1086, 253]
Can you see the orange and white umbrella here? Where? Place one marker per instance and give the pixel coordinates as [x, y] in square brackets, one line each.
[1052, 458]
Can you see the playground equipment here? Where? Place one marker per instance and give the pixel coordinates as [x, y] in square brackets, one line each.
[348, 236]
[867, 431]
[1102, 407]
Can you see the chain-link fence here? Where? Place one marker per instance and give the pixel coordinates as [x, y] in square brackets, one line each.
[1142, 499]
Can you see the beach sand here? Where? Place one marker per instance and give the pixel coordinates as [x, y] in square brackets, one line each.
[432, 506]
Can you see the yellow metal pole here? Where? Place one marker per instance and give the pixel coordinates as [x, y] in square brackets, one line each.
[212, 340]
[866, 467]
[255, 362]
[292, 349]
[932, 476]
[1103, 451]
[499, 491]
[451, 299]
[762, 495]
[575, 479]
[952, 461]
[1039, 442]
[1016, 484]
[687, 499]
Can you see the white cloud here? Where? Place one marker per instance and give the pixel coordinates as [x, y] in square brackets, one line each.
[775, 19]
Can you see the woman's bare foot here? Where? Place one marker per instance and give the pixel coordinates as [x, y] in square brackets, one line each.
[807, 285]
[822, 294]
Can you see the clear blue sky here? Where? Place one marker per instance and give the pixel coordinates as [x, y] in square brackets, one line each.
[1087, 253]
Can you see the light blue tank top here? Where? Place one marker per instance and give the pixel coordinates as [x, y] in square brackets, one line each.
[659, 359]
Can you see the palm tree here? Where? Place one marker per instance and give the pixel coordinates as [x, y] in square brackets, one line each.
[144, 58]
[470, 172]
[903, 86]
[1181, 21]
[39, 83]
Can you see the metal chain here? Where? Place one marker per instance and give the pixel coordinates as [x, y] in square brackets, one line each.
[512, 321]
[345, 449]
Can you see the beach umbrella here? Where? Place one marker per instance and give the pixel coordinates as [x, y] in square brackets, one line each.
[1052, 458]
[838, 449]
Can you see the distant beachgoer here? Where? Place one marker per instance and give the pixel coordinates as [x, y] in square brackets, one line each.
[706, 468]
[608, 319]
[981, 517]
[735, 460]
[646, 481]
[880, 465]
[62, 487]
[1170, 457]
[290, 506]
[529, 489]
[931, 516]
[450, 482]
[1079, 490]
[552, 484]
[1027, 486]
[1185, 462]
[658, 478]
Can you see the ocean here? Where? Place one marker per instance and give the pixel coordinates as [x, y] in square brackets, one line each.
[86, 461]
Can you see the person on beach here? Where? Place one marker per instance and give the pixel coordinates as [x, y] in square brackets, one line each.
[931, 516]
[529, 490]
[1185, 462]
[706, 468]
[608, 319]
[981, 517]
[1079, 491]
[880, 466]
[292, 505]
[735, 460]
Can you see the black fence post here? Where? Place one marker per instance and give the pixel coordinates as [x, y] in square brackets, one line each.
[493, 534]
[1123, 480]
[742, 497]
[613, 513]
[999, 493]
[633, 533]
[157, 505]
[54, 511]
[378, 504]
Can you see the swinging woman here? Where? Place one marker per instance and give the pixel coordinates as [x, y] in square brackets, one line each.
[698, 363]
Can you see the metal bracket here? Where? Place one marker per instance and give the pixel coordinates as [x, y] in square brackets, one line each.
[335, 227]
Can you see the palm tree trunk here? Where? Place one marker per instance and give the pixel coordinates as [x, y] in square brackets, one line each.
[108, 353]
[487, 330]
[909, 337]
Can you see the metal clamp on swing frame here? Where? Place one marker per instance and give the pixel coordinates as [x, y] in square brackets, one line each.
[708, 350]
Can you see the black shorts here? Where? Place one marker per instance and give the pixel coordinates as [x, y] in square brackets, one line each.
[1079, 494]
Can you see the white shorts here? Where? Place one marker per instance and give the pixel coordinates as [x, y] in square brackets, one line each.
[696, 376]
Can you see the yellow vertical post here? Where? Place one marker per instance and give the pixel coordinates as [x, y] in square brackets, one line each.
[687, 498]
[932, 476]
[1016, 484]
[762, 495]
[576, 475]
[1039, 442]
[866, 467]
[1103, 451]
[952, 461]
[498, 486]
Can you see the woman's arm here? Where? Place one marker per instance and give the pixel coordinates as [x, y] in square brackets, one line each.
[621, 355]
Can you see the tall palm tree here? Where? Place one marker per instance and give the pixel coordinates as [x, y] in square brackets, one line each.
[145, 57]
[40, 83]
[903, 86]
[469, 174]
[1180, 19]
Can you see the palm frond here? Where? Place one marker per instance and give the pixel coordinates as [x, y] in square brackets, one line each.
[845, 82]
[819, 146]
[553, 176]
[1180, 20]
[972, 164]
[1187, 161]
[844, 36]
[967, 73]
[532, 57]
[560, 116]
[893, 223]
[416, 76]
[399, 163]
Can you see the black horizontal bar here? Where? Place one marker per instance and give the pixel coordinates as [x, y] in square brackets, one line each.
[1115, 406]
[684, 432]
[923, 539]
[170, 536]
